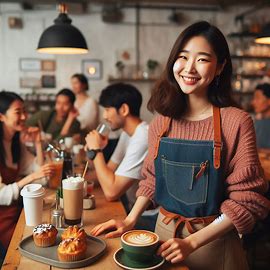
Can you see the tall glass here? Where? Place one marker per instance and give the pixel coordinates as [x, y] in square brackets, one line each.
[55, 179]
[73, 200]
[103, 129]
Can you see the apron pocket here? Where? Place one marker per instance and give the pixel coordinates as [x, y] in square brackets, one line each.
[186, 182]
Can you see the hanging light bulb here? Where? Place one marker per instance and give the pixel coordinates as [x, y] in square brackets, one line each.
[62, 37]
[264, 36]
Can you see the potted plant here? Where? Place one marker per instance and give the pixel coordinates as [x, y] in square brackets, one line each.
[152, 66]
[120, 68]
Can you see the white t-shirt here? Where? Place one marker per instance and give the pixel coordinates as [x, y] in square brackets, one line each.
[88, 114]
[130, 154]
[121, 148]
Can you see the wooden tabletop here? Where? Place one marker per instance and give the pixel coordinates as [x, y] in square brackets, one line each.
[104, 211]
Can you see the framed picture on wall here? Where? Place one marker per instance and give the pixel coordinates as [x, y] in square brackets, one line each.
[30, 82]
[48, 65]
[48, 81]
[92, 69]
[30, 64]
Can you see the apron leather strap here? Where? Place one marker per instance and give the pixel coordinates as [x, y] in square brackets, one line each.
[164, 131]
[217, 136]
[188, 222]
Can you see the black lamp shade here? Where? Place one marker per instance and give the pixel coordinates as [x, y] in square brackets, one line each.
[62, 38]
[264, 36]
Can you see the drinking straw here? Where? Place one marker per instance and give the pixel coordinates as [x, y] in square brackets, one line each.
[85, 169]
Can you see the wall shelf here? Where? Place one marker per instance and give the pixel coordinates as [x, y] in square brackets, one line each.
[250, 76]
[240, 93]
[242, 35]
[114, 80]
[250, 57]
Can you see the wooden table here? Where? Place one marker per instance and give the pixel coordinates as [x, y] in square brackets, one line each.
[104, 211]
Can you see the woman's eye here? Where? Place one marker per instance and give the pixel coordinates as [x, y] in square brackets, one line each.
[182, 57]
[203, 60]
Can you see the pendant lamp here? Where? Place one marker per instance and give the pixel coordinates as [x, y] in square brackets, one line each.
[264, 36]
[62, 37]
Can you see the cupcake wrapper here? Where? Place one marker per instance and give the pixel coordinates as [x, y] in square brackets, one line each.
[45, 242]
[71, 257]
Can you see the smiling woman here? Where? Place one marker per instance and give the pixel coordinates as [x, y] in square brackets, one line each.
[12, 165]
[202, 166]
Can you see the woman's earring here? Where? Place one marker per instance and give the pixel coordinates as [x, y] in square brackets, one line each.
[217, 80]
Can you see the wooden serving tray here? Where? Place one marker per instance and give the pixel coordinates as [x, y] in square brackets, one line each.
[95, 249]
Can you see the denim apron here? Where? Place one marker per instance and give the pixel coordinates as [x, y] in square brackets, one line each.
[190, 189]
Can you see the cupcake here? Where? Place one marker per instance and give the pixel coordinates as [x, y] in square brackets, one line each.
[74, 232]
[44, 235]
[71, 249]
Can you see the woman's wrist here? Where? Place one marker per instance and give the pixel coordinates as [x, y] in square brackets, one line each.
[192, 241]
[26, 180]
[131, 221]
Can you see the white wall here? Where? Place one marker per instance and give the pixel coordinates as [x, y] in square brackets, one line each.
[103, 40]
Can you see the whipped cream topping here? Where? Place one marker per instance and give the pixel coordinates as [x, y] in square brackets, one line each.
[46, 227]
[73, 183]
[140, 239]
[73, 179]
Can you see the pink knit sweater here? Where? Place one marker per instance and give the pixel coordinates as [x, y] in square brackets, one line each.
[243, 172]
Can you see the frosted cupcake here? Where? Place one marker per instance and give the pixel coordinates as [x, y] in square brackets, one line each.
[44, 235]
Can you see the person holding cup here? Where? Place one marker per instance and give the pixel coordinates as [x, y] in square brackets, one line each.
[120, 175]
[16, 161]
[202, 166]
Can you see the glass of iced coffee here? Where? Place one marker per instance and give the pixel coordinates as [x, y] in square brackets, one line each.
[73, 200]
[55, 179]
[53, 156]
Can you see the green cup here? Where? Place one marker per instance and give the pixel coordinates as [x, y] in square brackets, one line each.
[140, 245]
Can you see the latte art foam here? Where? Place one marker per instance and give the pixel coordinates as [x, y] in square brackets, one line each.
[140, 238]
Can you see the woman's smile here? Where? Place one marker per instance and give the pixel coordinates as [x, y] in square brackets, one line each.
[190, 80]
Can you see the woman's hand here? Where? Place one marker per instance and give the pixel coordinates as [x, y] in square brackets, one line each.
[46, 170]
[175, 250]
[31, 134]
[120, 227]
